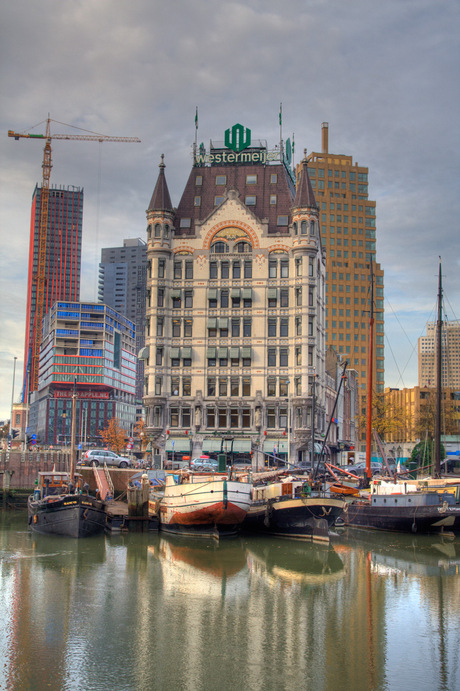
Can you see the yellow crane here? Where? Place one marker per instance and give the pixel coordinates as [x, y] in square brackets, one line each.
[39, 276]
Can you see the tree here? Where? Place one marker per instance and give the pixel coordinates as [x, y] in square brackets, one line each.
[423, 453]
[114, 436]
[425, 422]
[139, 431]
[387, 416]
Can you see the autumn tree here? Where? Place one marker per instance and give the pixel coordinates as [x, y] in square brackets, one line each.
[387, 417]
[425, 422]
[114, 436]
[140, 431]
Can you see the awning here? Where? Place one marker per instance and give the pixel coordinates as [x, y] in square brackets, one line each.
[247, 293]
[212, 445]
[175, 293]
[186, 353]
[241, 446]
[212, 294]
[235, 292]
[223, 352]
[280, 446]
[178, 445]
[223, 322]
[272, 293]
[174, 353]
[211, 353]
[212, 323]
[234, 352]
[144, 353]
[246, 352]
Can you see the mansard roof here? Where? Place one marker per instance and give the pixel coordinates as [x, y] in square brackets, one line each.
[161, 200]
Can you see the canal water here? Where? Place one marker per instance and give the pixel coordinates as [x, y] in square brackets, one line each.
[372, 611]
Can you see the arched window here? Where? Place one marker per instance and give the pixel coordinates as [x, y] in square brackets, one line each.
[295, 228]
[312, 227]
[157, 230]
[303, 228]
[219, 248]
[242, 247]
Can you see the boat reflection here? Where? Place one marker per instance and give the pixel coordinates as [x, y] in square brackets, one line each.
[422, 555]
[201, 567]
[291, 564]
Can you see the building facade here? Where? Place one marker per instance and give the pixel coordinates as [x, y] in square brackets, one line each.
[235, 307]
[450, 360]
[94, 346]
[348, 232]
[123, 286]
[63, 258]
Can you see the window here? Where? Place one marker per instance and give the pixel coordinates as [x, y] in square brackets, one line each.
[159, 356]
[199, 180]
[283, 422]
[271, 331]
[271, 418]
[160, 297]
[211, 386]
[174, 417]
[187, 387]
[222, 417]
[236, 270]
[218, 199]
[248, 269]
[197, 201]
[284, 327]
[224, 298]
[272, 268]
[212, 269]
[189, 269]
[188, 299]
[298, 355]
[161, 268]
[272, 199]
[186, 417]
[246, 386]
[235, 328]
[234, 386]
[176, 328]
[221, 179]
[284, 268]
[273, 178]
[187, 328]
[271, 386]
[298, 297]
[160, 326]
[282, 221]
[157, 230]
[246, 417]
[158, 384]
[176, 301]
[175, 386]
[250, 200]
[219, 248]
[210, 417]
[298, 326]
[234, 417]
[251, 179]
[184, 223]
[298, 266]
[283, 357]
[224, 270]
[247, 327]
[222, 386]
[271, 357]
[284, 297]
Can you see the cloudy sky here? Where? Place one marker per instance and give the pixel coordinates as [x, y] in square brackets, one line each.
[384, 75]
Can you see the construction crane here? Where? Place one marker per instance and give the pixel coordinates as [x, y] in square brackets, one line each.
[39, 277]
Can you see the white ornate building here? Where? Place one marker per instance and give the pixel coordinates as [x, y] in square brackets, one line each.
[235, 329]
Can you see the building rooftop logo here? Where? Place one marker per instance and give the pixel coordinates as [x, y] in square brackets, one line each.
[240, 138]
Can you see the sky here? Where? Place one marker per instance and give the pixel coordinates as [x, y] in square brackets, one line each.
[384, 75]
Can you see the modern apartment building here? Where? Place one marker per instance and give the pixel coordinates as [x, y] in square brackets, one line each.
[63, 257]
[95, 346]
[348, 233]
[450, 360]
[123, 286]
[235, 307]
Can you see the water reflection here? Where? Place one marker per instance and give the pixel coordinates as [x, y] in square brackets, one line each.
[145, 611]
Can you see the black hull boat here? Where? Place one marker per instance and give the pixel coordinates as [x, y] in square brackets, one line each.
[285, 509]
[392, 508]
[69, 515]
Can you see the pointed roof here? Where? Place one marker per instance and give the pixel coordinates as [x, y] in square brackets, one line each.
[304, 196]
[161, 201]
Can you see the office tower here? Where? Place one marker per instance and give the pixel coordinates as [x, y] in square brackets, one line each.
[235, 335]
[450, 360]
[62, 264]
[93, 345]
[348, 233]
[122, 285]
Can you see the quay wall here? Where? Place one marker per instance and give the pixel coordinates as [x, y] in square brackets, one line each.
[19, 470]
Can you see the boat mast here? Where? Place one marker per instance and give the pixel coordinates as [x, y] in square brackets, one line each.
[368, 473]
[72, 432]
[437, 449]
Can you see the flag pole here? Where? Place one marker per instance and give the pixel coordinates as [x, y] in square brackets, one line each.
[196, 135]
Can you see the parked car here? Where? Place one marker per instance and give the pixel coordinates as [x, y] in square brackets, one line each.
[100, 456]
[377, 468]
[203, 463]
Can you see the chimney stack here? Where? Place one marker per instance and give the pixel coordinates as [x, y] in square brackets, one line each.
[325, 137]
